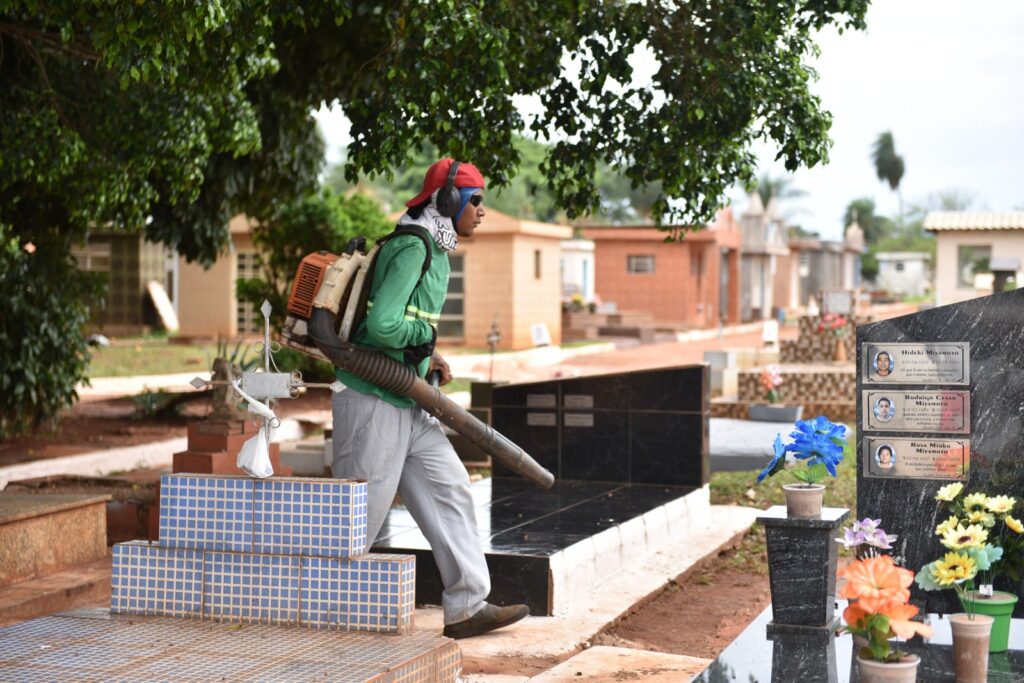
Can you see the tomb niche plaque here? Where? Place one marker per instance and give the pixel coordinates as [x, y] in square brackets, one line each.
[954, 384]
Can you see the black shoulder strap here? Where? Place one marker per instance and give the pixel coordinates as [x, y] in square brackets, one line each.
[420, 232]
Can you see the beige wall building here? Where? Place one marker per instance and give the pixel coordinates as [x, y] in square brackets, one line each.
[976, 252]
[207, 305]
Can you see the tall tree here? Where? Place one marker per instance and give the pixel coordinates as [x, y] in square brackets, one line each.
[780, 186]
[170, 118]
[889, 165]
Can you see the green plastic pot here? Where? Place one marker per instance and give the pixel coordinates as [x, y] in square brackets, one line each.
[999, 607]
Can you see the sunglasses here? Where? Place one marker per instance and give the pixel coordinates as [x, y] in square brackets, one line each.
[476, 200]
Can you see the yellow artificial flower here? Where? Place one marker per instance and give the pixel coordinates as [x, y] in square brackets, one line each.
[1014, 525]
[954, 568]
[975, 502]
[950, 523]
[1000, 504]
[950, 491]
[986, 519]
[959, 537]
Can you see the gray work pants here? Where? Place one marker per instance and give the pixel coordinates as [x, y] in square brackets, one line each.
[405, 449]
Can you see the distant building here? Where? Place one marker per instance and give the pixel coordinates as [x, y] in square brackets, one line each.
[903, 272]
[207, 304]
[764, 243]
[694, 281]
[578, 270]
[977, 252]
[816, 264]
[128, 262]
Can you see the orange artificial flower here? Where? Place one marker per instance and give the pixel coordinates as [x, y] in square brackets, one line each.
[875, 581]
[853, 614]
[901, 623]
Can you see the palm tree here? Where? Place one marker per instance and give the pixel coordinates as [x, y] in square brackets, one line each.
[889, 165]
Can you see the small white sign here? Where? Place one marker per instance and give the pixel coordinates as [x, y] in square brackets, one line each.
[540, 334]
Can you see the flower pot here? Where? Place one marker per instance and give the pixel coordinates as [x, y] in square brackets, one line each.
[903, 671]
[840, 354]
[970, 647]
[774, 412]
[1000, 607]
[803, 500]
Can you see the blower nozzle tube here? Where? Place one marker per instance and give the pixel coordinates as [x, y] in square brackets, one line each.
[393, 376]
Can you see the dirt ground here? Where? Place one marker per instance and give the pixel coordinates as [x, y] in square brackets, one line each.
[700, 612]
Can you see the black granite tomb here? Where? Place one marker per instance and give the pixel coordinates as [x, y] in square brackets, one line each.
[620, 446]
[646, 427]
[994, 328]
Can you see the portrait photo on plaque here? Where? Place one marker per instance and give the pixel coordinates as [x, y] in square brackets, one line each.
[885, 457]
[883, 409]
[882, 364]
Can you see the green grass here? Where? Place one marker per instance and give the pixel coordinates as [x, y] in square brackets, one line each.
[150, 356]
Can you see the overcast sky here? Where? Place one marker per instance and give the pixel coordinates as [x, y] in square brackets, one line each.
[947, 78]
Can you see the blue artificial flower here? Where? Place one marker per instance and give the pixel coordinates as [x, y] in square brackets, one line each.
[818, 441]
[778, 461]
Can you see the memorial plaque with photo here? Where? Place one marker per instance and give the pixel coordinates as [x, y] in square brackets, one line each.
[982, 359]
[886, 410]
[927, 363]
[919, 458]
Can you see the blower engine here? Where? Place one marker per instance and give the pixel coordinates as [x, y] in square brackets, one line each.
[346, 285]
[328, 286]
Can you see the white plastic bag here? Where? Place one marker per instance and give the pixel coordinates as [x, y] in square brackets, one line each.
[254, 457]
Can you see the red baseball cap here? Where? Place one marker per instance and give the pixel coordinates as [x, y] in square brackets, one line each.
[467, 176]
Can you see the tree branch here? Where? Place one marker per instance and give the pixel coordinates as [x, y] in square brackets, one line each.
[49, 39]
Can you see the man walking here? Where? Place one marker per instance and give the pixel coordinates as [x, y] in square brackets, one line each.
[387, 439]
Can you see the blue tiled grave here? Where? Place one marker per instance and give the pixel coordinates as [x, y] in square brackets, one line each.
[206, 512]
[310, 518]
[372, 593]
[252, 588]
[149, 579]
[274, 551]
[288, 516]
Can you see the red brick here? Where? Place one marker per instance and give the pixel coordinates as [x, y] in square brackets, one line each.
[220, 462]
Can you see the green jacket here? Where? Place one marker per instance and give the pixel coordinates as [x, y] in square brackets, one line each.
[399, 312]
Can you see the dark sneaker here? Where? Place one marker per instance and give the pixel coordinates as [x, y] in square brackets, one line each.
[487, 619]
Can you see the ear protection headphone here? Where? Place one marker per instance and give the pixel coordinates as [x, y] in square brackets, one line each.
[448, 198]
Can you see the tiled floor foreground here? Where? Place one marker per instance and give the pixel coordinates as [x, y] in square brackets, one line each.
[93, 645]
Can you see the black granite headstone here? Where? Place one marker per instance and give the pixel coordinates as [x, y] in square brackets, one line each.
[993, 326]
[646, 427]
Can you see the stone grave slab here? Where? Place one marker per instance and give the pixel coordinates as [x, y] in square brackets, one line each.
[975, 346]
[94, 645]
[42, 534]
